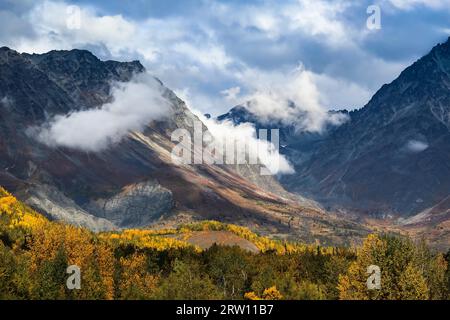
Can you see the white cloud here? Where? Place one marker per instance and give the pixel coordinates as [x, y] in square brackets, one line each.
[275, 20]
[416, 146]
[231, 94]
[339, 93]
[411, 4]
[6, 101]
[50, 22]
[134, 105]
[291, 98]
[268, 154]
[207, 55]
[198, 52]
[321, 18]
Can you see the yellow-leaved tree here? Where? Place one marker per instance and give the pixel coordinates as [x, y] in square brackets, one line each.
[271, 293]
[407, 271]
[135, 282]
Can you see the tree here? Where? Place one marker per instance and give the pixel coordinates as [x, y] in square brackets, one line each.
[271, 269]
[271, 293]
[7, 271]
[185, 282]
[412, 285]
[310, 291]
[408, 271]
[135, 282]
[229, 269]
[50, 278]
[433, 266]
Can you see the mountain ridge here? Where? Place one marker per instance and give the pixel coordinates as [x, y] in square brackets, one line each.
[134, 182]
[390, 158]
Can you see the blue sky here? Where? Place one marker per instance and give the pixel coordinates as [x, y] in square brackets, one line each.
[216, 54]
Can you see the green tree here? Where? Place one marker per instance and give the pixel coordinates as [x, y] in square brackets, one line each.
[310, 291]
[50, 279]
[186, 282]
[229, 269]
[7, 271]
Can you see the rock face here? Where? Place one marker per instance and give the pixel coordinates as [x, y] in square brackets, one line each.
[57, 180]
[137, 205]
[392, 157]
[134, 182]
[50, 200]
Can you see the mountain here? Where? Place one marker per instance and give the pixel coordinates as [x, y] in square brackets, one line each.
[295, 143]
[391, 157]
[134, 182]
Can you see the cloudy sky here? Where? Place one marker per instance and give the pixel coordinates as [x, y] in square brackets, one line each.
[217, 53]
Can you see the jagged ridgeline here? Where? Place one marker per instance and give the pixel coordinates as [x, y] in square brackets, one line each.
[389, 158]
[172, 264]
[133, 182]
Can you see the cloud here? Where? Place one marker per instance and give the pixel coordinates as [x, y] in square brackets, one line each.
[205, 47]
[51, 22]
[274, 20]
[231, 94]
[337, 93]
[267, 151]
[6, 101]
[134, 104]
[411, 4]
[416, 146]
[321, 18]
[291, 98]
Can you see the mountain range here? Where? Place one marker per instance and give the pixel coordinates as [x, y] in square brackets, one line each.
[390, 160]
[134, 182]
[385, 167]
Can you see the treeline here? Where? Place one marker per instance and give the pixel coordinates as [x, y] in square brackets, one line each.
[148, 264]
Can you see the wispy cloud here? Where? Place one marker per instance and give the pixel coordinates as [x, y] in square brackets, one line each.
[416, 146]
[411, 4]
[245, 134]
[134, 105]
[292, 99]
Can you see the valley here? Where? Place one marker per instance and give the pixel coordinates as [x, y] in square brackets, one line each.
[350, 180]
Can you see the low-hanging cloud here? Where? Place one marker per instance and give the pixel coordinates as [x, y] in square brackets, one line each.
[6, 101]
[134, 104]
[416, 146]
[267, 153]
[292, 99]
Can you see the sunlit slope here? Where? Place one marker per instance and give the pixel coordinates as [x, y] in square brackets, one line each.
[20, 224]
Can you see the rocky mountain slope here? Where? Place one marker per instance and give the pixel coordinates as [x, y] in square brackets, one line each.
[134, 182]
[391, 158]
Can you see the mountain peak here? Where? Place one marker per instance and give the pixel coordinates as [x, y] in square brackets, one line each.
[447, 42]
[239, 114]
[64, 56]
[6, 53]
[82, 75]
[80, 56]
[441, 47]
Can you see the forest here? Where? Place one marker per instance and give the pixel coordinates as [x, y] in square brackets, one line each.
[158, 264]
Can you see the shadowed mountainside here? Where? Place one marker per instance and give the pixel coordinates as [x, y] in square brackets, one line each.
[390, 158]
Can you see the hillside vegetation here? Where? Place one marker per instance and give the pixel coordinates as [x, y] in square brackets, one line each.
[165, 264]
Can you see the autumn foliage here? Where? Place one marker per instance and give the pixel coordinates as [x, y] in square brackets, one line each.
[161, 264]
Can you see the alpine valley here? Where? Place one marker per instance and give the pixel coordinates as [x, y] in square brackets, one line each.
[385, 168]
